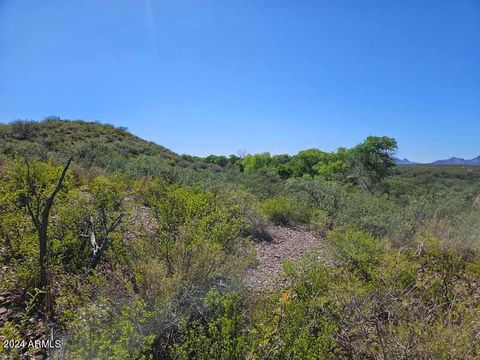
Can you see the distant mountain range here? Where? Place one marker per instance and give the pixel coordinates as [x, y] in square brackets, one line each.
[403, 161]
[451, 161]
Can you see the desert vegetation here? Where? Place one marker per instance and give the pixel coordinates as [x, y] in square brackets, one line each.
[125, 250]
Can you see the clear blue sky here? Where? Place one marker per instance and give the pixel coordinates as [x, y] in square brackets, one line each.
[205, 77]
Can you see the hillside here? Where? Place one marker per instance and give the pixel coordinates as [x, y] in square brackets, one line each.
[59, 137]
[101, 146]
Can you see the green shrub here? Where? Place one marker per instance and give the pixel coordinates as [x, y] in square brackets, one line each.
[283, 210]
[322, 195]
[358, 251]
[320, 223]
[376, 215]
[103, 331]
[293, 324]
[221, 334]
[249, 209]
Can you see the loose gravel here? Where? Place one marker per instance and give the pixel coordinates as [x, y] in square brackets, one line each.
[288, 244]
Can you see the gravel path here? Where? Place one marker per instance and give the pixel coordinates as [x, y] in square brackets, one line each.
[290, 244]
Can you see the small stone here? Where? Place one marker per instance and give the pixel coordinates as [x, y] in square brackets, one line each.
[3, 310]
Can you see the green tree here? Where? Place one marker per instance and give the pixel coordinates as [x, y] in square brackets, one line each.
[252, 163]
[372, 160]
[306, 160]
[219, 160]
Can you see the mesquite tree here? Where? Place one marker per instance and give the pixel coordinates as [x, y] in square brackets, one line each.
[39, 184]
[371, 161]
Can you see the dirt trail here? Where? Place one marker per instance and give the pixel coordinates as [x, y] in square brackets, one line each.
[290, 244]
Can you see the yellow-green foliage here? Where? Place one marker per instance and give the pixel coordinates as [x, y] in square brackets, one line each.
[44, 176]
[105, 331]
[17, 231]
[10, 331]
[223, 337]
[293, 324]
[358, 251]
[320, 223]
[187, 242]
[284, 210]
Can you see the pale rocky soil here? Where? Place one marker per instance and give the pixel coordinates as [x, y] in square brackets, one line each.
[288, 244]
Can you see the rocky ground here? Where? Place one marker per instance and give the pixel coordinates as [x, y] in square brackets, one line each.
[288, 244]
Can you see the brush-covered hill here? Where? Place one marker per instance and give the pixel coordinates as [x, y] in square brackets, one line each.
[95, 145]
[58, 136]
